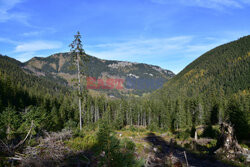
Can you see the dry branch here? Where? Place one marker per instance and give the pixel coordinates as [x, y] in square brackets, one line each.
[21, 142]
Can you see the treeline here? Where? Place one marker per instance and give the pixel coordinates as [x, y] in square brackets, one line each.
[21, 103]
[172, 115]
[212, 89]
[19, 106]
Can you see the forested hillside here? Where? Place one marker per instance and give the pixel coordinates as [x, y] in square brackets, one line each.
[211, 89]
[221, 71]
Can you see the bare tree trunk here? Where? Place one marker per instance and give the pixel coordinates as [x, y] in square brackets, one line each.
[83, 108]
[98, 114]
[127, 117]
[185, 155]
[200, 113]
[92, 114]
[141, 117]
[21, 142]
[196, 135]
[109, 112]
[131, 117]
[116, 115]
[138, 118]
[149, 118]
[95, 112]
[88, 116]
[144, 120]
[79, 91]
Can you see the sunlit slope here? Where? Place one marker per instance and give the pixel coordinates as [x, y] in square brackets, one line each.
[223, 70]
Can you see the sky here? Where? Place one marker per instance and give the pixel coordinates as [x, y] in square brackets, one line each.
[167, 33]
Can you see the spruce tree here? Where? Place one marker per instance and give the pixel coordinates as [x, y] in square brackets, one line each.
[77, 51]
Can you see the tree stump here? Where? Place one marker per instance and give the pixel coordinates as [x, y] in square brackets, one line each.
[227, 143]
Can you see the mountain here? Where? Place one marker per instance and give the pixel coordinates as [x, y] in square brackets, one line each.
[138, 77]
[19, 90]
[12, 70]
[221, 71]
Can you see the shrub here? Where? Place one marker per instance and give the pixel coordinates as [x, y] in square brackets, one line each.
[187, 146]
[183, 134]
[211, 144]
[133, 129]
[113, 151]
[128, 144]
[153, 127]
[78, 133]
[82, 143]
[70, 124]
[210, 132]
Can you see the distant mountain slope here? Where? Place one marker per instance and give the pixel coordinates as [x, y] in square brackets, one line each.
[11, 71]
[136, 75]
[223, 70]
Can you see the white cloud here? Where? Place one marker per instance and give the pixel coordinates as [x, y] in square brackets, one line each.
[138, 48]
[7, 40]
[32, 33]
[213, 4]
[5, 14]
[27, 56]
[25, 51]
[156, 47]
[40, 31]
[6, 5]
[37, 46]
[171, 53]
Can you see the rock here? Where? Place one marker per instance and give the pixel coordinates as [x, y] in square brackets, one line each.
[155, 149]
[102, 154]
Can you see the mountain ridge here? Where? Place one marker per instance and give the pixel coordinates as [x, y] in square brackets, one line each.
[58, 67]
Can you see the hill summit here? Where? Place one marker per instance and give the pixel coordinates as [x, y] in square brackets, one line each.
[139, 78]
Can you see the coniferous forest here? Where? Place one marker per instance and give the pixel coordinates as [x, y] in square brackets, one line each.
[39, 117]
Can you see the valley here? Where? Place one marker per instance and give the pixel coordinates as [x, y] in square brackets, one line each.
[185, 121]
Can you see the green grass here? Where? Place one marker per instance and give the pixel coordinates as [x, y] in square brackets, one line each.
[82, 143]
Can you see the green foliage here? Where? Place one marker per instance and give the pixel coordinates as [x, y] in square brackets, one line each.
[38, 116]
[223, 70]
[210, 132]
[128, 144]
[9, 123]
[184, 135]
[214, 118]
[153, 127]
[113, 152]
[239, 118]
[71, 124]
[82, 143]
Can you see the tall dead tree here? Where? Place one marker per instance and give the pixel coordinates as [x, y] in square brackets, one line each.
[77, 51]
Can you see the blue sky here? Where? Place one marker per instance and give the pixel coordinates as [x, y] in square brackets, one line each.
[168, 33]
